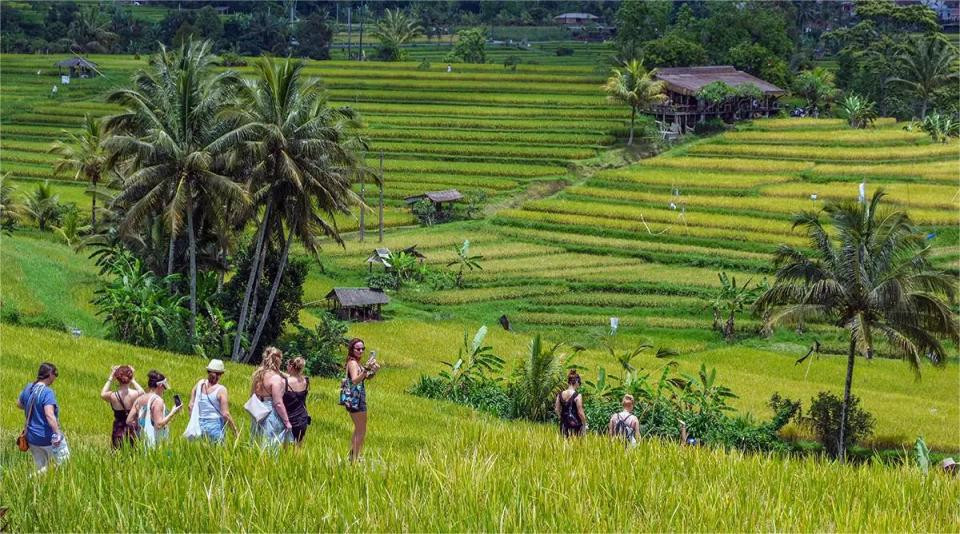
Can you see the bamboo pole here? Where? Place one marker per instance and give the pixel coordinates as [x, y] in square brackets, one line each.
[381, 196]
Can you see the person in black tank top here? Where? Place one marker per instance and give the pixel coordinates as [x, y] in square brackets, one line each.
[295, 399]
[569, 407]
[120, 401]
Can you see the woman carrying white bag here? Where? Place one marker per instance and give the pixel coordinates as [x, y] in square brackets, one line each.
[270, 426]
[209, 408]
[150, 418]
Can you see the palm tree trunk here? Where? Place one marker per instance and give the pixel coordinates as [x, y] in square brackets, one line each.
[173, 239]
[273, 294]
[633, 115]
[844, 408]
[923, 109]
[192, 243]
[93, 205]
[252, 280]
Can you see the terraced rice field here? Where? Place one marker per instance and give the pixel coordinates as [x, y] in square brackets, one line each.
[478, 128]
[645, 243]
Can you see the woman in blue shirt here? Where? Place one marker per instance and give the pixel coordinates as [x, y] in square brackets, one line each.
[39, 404]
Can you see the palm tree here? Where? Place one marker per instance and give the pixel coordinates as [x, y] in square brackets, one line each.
[84, 154]
[927, 63]
[90, 31]
[394, 30]
[302, 161]
[171, 139]
[635, 87]
[869, 275]
[10, 208]
[858, 110]
[816, 87]
[465, 261]
[538, 378]
[43, 205]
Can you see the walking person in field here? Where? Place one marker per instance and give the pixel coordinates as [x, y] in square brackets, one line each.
[297, 387]
[353, 393]
[42, 431]
[569, 407]
[210, 398]
[268, 385]
[121, 400]
[149, 415]
[624, 424]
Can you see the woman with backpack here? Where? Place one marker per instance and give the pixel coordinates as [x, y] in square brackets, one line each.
[149, 415]
[624, 424]
[42, 435]
[121, 400]
[210, 398]
[569, 407]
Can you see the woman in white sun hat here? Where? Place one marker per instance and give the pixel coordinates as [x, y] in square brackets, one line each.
[209, 398]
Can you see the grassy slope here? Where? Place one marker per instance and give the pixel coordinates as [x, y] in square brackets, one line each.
[429, 465]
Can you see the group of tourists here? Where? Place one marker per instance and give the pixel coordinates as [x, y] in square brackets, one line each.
[573, 421]
[277, 406]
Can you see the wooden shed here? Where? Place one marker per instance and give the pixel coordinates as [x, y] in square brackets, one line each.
[357, 303]
[575, 19]
[380, 256]
[78, 66]
[685, 108]
[439, 198]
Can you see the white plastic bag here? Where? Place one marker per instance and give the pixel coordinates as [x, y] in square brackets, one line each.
[147, 433]
[194, 431]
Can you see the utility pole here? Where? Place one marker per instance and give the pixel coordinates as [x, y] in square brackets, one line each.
[363, 206]
[363, 9]
[381, 196]
[349, 29]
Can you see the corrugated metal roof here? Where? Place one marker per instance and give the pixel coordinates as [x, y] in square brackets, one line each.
[449, 195]
[689, 80]
[575, 16]
[350, 297]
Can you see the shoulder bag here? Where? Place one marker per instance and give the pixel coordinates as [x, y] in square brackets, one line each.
[22, 442]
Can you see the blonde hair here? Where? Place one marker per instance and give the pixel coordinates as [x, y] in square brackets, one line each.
[627, 398]
[270, 361]
[297, 364]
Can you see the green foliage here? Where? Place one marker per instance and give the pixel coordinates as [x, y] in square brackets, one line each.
[43, 206]
[322, 348]
[426, 212]
[464, 261]
[638, 22]
[716, 92]
[941, 127]
[673, 50]
[824, 418]
[564, 51]
[470, 46]
[138, 306]
[927, 65]
[815, 87]
[230, 59]
[859, 112]
[394, 30]
[10, 207]
[314, 35]
[635, 87]
[761, 62]
[730, 300]
[537, 379]
[403, 269]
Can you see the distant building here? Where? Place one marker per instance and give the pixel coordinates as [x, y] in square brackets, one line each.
[685, 108]
[576, 19]
[78, 66]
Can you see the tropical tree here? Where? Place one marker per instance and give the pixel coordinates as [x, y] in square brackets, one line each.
[172, 142]
[43, 205]
[926, 65]
[10, 207]
[83, 153]
[538, 378]
[90, 31]
[731, 299]
[858, 110]
[395, 29]
[941, 127]
[634, 86]
[302, 157]
[464, 261]
[869, 275]
[815, 87]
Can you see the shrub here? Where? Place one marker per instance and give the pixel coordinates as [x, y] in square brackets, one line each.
[511, 62]
[824, 420]
[424, 65]
[425, 212]
[322, 347]
[710, 126]
[230, 59]
[564, 51]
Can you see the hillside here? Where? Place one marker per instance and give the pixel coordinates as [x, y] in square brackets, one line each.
[429, 465]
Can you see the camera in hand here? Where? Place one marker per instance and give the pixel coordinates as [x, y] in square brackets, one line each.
[177, 401]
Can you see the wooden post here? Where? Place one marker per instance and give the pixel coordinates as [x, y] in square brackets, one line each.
[349, 30]
[363, 205]
[381, 196]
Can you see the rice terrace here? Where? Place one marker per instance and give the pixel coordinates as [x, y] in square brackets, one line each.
[525, 266]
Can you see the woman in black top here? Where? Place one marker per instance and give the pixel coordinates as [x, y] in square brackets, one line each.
[295, 398]
[120, 400]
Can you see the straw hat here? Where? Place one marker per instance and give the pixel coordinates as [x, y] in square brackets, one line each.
[216, 366]
[948, 464]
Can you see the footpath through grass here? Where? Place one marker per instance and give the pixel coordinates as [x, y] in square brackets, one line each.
[429, 465]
